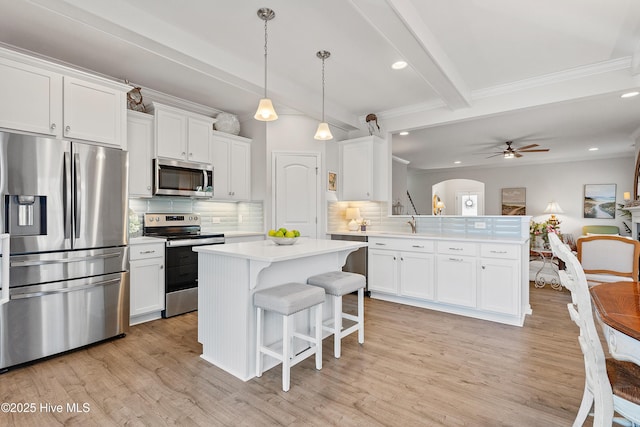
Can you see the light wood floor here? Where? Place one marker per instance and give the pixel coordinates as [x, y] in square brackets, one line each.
[416, 368]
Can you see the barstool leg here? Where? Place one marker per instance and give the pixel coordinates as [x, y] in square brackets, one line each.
[286, 359]
[258, 342]
[337, 325]
[318, 336]
[361, 315]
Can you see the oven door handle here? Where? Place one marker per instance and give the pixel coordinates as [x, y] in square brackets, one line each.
[195, 242]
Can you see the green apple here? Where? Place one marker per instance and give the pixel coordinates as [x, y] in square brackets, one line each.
[290, 234]
[272, 233]
[297, 233]
[279, 233]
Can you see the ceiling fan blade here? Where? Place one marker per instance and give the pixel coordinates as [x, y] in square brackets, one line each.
[517, 154]
[496, 155]
[526, 147]
[539, 150]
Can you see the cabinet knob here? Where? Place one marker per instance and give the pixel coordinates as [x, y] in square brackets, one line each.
[183, 153]
[161, 267]
[53, 126]
[394, 258]
[233, 193]
[483, 267]
[190, 154]
[401, 259]
[67, 129]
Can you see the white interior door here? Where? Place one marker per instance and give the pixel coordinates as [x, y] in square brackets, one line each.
[297, 187]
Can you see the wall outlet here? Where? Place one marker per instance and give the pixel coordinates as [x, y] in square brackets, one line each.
[215, 220]
[481, 225]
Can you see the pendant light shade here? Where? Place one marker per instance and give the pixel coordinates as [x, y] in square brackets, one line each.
[323, 133]
[265, 111]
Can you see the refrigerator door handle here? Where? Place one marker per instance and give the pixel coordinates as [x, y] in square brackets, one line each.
[67, 195]
[66, 290]
[77, 194]
[4, 276]
[64, 260]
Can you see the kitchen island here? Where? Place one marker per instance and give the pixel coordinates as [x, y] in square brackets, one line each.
[228, 277]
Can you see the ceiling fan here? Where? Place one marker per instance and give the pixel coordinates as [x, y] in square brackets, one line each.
[510, 152]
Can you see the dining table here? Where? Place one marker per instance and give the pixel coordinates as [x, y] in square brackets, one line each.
[617, 306]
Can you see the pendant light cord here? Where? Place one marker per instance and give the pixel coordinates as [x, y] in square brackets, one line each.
[265, 57]
[323, 89]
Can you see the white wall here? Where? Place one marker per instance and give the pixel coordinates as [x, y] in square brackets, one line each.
[562, 182]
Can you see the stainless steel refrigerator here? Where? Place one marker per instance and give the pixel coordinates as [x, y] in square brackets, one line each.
[64, 205]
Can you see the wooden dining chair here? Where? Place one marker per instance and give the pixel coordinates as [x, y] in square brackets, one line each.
[608, 258]
[610, 385]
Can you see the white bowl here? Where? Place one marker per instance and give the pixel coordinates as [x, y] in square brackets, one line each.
[283, 240]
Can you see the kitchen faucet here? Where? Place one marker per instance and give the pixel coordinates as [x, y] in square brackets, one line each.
[412, 223]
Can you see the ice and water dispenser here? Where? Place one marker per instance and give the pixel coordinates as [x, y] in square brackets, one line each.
[26, 215]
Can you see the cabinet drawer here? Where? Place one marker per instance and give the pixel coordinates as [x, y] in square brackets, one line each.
[144, 251]
[499, 251]
[457, 248]
[401, 244]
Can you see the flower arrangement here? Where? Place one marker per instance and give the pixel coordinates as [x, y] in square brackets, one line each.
[542, 229]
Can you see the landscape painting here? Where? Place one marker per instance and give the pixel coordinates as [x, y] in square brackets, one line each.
[514, 201]
[600, 201]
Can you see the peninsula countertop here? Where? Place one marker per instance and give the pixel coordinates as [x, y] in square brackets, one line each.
[268, 251]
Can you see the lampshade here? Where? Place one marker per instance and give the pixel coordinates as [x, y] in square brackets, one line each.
[265, 111]
[440, 204]
[353, 213]
[627, 195]
[323, 133]
[553, 208]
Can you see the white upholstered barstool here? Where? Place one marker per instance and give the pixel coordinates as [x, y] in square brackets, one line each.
[287, 300]
[337, 284]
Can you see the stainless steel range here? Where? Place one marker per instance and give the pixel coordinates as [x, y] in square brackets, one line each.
[183, 232]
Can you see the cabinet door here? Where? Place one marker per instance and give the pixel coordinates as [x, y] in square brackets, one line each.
[499, 285]
[140, 143]
[171, 135]
[416, 275]
[220, 154]
[198, 132]
[357, 177]
[31, 99]
[240, 171]
[456, 280]
[147, 286]
[93, 112]
[383, 273]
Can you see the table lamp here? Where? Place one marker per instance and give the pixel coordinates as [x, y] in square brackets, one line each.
[353, 214]
[553, 208]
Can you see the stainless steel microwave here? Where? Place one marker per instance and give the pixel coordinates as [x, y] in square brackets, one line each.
[176, 178]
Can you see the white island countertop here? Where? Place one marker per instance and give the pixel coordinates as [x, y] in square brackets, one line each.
[268, 251]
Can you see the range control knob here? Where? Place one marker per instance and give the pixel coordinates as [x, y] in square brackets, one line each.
[195, 218]
[158, 218]
[150, 219]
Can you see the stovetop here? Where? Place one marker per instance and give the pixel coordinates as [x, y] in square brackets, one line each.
[175, 226]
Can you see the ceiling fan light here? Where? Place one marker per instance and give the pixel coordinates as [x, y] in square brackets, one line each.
[509, 155]
[265, 111]
[323, 133]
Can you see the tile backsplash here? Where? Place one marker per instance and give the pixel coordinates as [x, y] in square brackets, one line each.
[468, 226]
[215, 216]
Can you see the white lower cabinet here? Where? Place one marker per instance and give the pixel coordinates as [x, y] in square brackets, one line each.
[482, 280]
[456, 280]
[147, 297]
[498, 272]
[403, 267]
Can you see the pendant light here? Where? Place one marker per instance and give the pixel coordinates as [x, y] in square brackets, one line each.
[265, 111]
[323, 133]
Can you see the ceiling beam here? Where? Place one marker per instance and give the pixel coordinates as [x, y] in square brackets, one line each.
[399, 23]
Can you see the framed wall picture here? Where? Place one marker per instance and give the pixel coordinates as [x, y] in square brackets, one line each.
[600, 201]
[332, 184]
[514, 201]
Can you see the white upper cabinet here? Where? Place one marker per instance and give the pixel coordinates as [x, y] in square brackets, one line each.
[93, 112]
[364, 166]
[231, 160]
[140, 143]
[49, 99]
[182, 135]
[31, 98]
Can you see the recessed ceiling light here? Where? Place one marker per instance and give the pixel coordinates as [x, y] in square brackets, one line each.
[399, 65]
[593, 149]
[403, 133]
[630, 94]
[457, 162]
